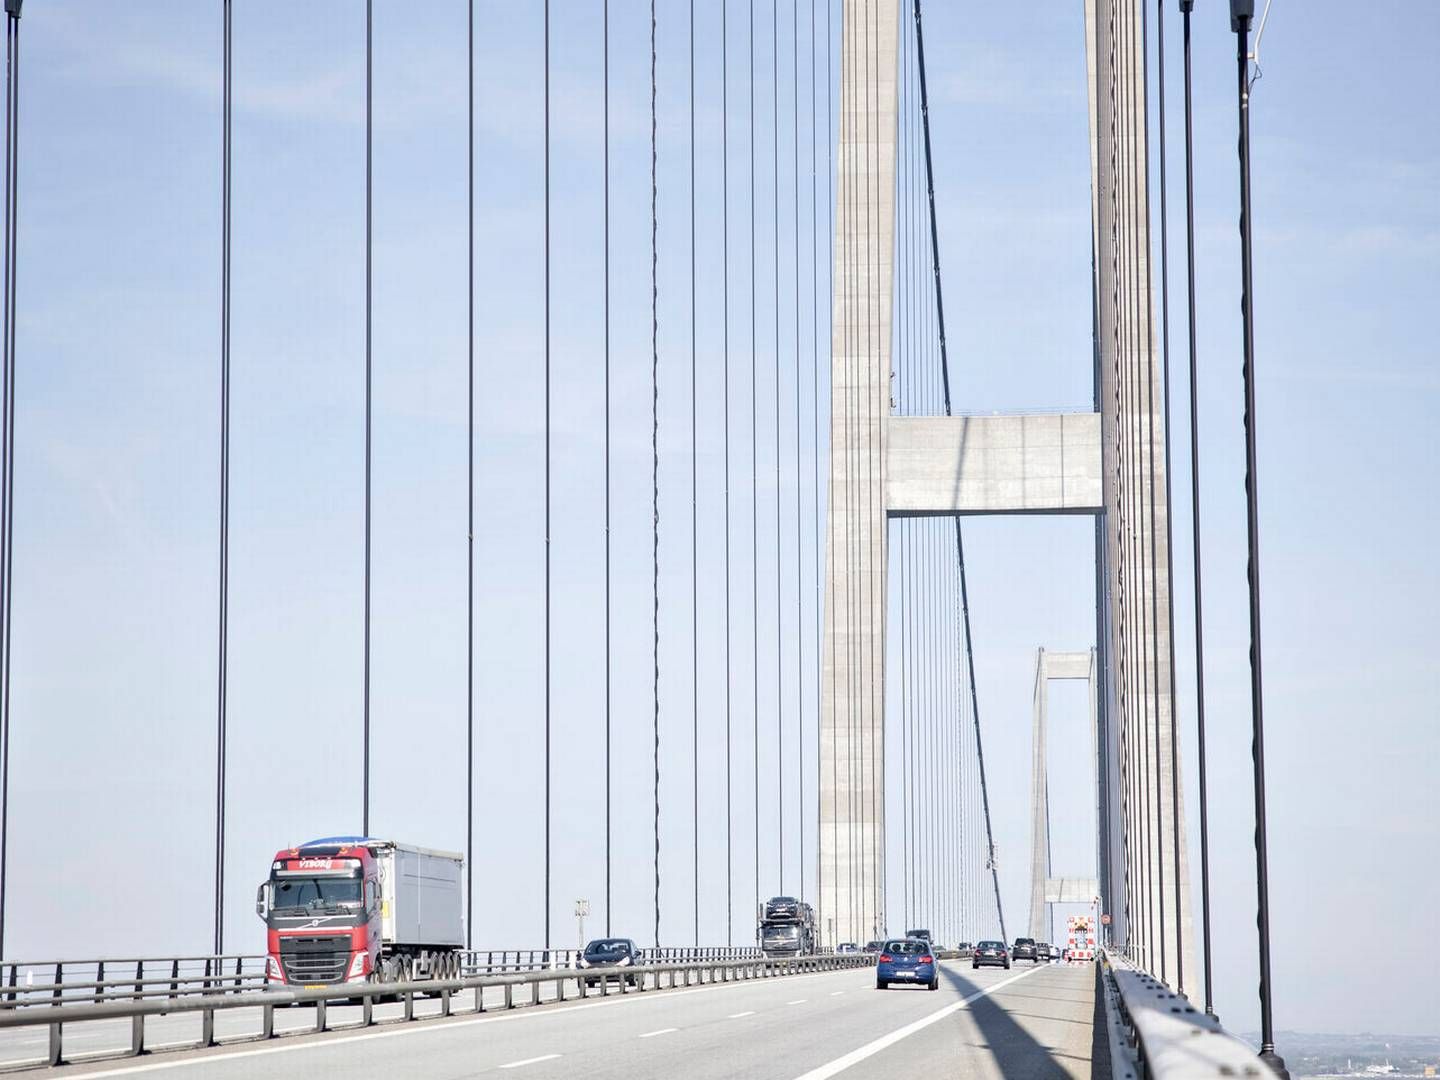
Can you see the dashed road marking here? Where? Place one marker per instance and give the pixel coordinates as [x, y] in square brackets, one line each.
[530, 1061]
[737, 1016]
[662, 1031]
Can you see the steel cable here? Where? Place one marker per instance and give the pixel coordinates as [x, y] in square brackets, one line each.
[470, 496]
[1186, 7]
[7, 496]
[945, 376]
[655, 435]
[548, 606]
[725, 291]
[609, 665]
[694, 528]
[221, 667]
[369, 328]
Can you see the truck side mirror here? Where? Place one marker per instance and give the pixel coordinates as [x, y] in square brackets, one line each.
[262, 899]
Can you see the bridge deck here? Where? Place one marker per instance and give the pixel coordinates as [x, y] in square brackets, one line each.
[1031, 1022]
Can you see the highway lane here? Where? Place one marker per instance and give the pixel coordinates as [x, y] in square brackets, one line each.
[1032, 1022]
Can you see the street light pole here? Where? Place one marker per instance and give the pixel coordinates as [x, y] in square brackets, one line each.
[1242, 13]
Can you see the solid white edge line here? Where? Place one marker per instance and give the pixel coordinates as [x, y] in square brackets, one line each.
[420, 1028]
[652, 1034]
[870, 1049]
[529, 1061]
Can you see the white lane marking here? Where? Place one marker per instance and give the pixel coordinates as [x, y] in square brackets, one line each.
[836, 993]
[797, 1001]
[530, 1061]
[737, 1016]
[662, 1031]
[422, 1028]
[870, 1049]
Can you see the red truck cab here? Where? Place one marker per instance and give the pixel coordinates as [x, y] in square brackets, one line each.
[321, 906]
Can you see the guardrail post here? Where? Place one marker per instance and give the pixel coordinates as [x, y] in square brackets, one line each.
[509, 997]
[560, 988]
[175, 976]
[479, 999]
[320, 1015]
[53, 1057]
[604, 987]
[535, 992]
[367, 1010]
[444, 1001]
[99, 994]
[207, 1028]
[409, 1004]
[137, 1022]
[267, 1022]
[239, 970]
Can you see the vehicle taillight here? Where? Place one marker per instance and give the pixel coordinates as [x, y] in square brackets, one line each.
[927, 959]
[886, 958]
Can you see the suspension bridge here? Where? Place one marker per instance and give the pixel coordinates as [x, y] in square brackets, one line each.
[838, 755]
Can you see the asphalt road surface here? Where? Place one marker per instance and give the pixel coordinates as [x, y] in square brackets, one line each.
[1035, 1023]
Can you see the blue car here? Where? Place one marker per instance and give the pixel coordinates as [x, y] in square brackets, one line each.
[908, 960]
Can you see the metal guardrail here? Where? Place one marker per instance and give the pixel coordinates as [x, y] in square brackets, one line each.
[59, 1012]
[28, 983]
[1156, 1034]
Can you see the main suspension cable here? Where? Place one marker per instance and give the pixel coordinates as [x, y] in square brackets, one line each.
[945, 377]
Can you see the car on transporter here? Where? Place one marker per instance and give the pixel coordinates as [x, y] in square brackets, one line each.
[907, 961]
[990, 954]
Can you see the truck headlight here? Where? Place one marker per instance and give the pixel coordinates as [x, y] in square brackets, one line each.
[358, 966]
[273, 972]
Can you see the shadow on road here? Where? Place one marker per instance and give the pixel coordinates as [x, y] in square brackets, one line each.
[1017, 1052]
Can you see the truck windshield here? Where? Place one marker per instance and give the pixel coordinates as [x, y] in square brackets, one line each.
[311, 893]
[781, 933]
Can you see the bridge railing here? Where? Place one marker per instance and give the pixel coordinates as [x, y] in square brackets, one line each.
[57, 1013]
[1156, 1034]
[133, 979]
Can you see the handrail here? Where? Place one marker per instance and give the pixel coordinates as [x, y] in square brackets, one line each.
[1156, 1034]
[649, 976]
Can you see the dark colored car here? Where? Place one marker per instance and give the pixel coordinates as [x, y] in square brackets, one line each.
[612, 953]
[964, 949]
[923, 935]
[874, 946]
[847, 947]
[1044, 951]
[1024, 949]
[907, 961]
[990, 954]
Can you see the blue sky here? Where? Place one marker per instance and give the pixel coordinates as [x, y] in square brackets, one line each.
[116, 476]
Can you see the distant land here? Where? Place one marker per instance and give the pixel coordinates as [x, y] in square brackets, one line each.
[1312, 1055]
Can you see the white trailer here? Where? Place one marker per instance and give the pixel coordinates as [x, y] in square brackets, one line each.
[422, 907]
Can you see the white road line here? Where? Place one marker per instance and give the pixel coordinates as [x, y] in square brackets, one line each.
[662, 1031]
[737, 1016]
[840, 1064]
[421, 1028]
[797, 1001]
[530, 1061]
[836, 993]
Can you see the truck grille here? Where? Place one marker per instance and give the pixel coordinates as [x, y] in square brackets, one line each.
[315, 958]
